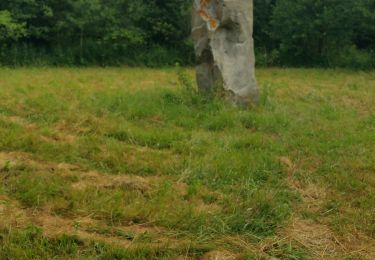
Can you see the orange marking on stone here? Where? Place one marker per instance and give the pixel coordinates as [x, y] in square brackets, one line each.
[205, 15]
[213, 24]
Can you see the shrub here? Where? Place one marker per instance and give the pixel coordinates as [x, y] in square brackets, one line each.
[352, 57]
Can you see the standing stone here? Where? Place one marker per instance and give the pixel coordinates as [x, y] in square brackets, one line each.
[224, 47]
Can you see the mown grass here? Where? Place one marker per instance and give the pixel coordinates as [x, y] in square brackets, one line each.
[222, 174]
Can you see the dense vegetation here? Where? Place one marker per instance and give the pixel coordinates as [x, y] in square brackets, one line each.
[156, 32]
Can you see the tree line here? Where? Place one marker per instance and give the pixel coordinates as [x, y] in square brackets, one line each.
[324, 33]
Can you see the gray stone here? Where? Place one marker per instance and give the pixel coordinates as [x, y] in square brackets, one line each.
[224, 47]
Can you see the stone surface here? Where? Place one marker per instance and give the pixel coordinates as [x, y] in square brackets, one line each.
[224, 47]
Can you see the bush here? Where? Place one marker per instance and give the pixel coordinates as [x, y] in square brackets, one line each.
[352, 57]
[267, 58]
[93, 54]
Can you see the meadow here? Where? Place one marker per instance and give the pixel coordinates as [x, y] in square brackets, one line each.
[132, 163]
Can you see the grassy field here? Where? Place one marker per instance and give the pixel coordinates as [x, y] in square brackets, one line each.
[131, 164]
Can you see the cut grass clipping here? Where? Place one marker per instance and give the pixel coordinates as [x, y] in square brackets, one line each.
[134, 164]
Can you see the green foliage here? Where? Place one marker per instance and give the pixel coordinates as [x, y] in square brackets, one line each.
[157, 33]
[352, 57]
[309, 30]
[9, 29]
[308, 33]
[97, 32]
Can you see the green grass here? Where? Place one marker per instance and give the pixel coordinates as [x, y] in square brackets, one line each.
[218, 178]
